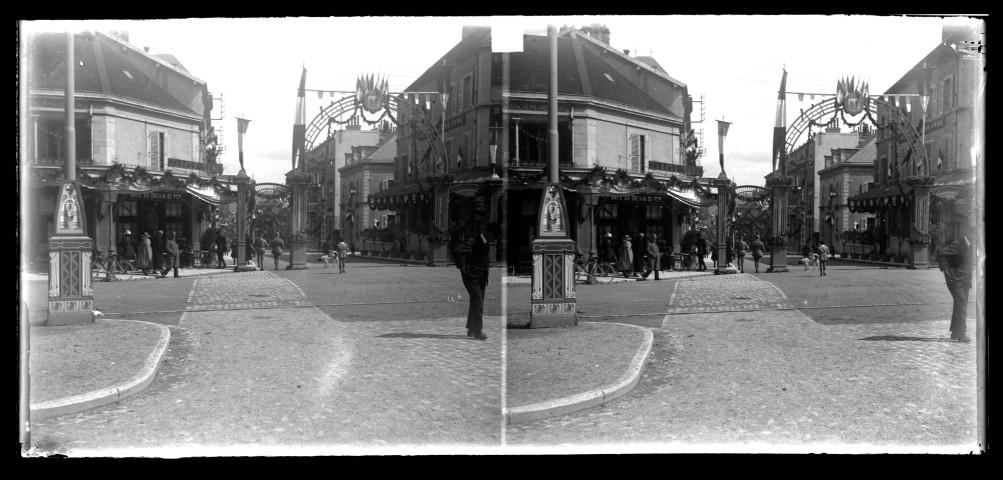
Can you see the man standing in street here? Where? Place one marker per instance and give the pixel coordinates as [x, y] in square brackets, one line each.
[260, 246]
[342, 255]
[823, 255]
[655, 255]
[472, 260]
[740, 248]
[956, 263]
[757, 251]
[277, 245]
[701, 252]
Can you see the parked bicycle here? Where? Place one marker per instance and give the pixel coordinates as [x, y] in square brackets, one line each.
[110, 268]
[592, 271]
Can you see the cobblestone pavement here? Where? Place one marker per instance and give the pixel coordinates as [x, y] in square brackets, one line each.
[777, 381]
[287, 375]
[716, 294]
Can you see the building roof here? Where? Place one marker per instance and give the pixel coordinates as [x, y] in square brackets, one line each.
[529, 70]
[100, 68]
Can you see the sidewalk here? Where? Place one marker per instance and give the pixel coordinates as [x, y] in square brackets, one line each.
[556, 371]
[78, 367]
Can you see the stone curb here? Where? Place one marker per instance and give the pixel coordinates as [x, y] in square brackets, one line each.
[104, 396]
[591, 398]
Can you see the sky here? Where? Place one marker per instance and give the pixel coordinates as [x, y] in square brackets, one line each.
[734, 62]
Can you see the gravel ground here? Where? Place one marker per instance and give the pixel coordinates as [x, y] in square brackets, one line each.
[551, 363]
[75, 359]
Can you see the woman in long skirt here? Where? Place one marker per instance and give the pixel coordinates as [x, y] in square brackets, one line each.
[625, 263]
[144, 258]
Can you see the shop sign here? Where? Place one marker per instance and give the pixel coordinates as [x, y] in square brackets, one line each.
[640, 199]
[542, 107]
[456, 121]
[157, 196]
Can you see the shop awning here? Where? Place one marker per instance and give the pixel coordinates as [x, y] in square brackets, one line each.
[414, 190]
[210, 195]
[880, 197]
[952, 185]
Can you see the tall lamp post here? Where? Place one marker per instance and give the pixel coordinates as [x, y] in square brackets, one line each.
[552, 292]
[723, 185]
[71, 296]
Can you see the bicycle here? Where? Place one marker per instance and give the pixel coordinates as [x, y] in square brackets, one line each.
[111, 269]
[589, 271]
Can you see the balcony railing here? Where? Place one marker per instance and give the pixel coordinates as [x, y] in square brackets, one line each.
[58, 161]
[657, 168]
[215, 168]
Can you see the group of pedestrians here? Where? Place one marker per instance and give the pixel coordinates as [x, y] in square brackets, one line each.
[159, 252]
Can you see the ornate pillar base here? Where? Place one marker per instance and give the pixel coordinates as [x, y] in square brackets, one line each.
[553, 284]
[71, 296]
[919, 257]
[778, 260]
[438, 254]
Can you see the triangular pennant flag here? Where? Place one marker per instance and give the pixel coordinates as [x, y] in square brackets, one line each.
[320, 94]
[800, 97]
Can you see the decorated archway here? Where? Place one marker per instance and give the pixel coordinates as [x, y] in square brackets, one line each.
[851, 106]
[374, 104]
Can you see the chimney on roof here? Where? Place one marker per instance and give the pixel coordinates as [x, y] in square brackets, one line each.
[146, 49]
[957, 32]
[626, 52]
[598, 32]
[470, 30]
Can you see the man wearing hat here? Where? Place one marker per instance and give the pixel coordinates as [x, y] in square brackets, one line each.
[125, 249]
[606, 251]
[473, 260]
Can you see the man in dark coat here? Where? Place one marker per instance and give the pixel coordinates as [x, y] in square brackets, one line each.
[221, 249]
[473, 261]
[955, 261]
[655, 255]
[640, 247]
[606, 251]
[701, 252]
[125, 249]
[158, 245]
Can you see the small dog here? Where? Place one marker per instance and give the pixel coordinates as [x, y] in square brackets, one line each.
[811, 261]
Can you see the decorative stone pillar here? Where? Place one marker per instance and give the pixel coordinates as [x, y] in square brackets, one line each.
[71, 296]
[552, 292]
[723, 189]
[300, 183]
[919, 238]
[242, 192]
[778, 241]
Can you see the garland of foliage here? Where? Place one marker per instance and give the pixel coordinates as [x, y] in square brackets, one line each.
[117, 174]
[598, 176]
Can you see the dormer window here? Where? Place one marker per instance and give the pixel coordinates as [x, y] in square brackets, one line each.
[609, 77]
[126, 72]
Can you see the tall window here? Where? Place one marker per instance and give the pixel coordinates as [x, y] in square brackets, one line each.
[468, 93]
[49, 139]
[157, 159]
[636, 155]
[948, 94]
[465, 152]
[452, 99]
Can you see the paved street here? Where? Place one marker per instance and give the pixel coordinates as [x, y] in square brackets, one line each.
[736, 368]
[254, 363]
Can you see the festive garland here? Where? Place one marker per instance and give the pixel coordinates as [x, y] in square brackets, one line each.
[598, 176]
[117, 174]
